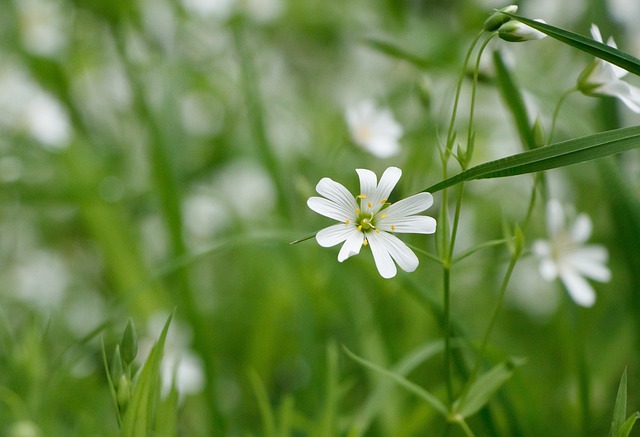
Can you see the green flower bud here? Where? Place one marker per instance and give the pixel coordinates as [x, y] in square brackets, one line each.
[539, 139]
[515, 31]
[129, 343]
[123, 393]
[497, 19]
[518, 241]
[116, 367]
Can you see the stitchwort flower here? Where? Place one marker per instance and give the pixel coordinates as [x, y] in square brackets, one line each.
[602, 78]
[369, 220]
[374, 129]
[566, 256]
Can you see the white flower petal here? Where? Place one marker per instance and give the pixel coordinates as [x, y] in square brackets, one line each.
[548, 269]
[587, 266]
[628, 94]
[417, 224]
[406, 207]
[368, 183]
[381, 256]
[388, 181]
[581, 229]
[351, 246]
[335, 234]
[595, 32]
[330, 209]
[400, 252]
[337, 193]
[541, 248]
[579, 289]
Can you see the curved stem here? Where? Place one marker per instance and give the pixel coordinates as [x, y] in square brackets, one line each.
[556, 111]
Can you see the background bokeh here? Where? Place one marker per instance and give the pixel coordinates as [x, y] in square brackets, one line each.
[157, 155]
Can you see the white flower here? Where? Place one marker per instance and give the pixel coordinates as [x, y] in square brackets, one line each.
[566, 256]
[374, 129]
[604, 78]
[366, 219]
[515, 31]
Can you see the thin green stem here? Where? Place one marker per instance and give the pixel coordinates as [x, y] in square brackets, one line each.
[446, 298]
[556, 111]
[487, 334]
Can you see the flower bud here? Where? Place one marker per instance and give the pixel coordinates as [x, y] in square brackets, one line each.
[116, 367]
[129, 343]
[539, 139]
[497, 19]
[515, 31]
[123, 393]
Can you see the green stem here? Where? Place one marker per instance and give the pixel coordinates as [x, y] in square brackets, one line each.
[446, 297]
[494, 317]
[556, 111]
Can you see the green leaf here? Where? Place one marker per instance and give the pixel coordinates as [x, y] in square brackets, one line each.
[513, 98]
[483, 388]
[395, 51]
[377, 398]
[587, 45]
[553, 156]
[626, 428]
[620, 408]
[410, 386]
[138, 417]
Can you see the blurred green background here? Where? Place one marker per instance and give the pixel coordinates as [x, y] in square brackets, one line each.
[158, 154]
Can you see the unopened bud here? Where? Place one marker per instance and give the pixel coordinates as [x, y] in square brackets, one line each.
[539, 139]
[129, 343]
[497, 19]
[123, 393]
[515, 31]
[116, 367]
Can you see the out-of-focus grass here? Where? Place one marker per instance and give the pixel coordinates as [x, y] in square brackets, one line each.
[194, 136]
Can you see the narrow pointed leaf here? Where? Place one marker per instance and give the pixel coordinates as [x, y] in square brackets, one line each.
[626, 428]
[483, 389]
[620, 408]
[410, 386]
[553, 156]
[396, 51]
[587, 45]
[137, 419]
[514, 100]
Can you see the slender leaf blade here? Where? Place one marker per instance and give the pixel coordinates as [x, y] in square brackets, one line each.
[484, 387]
[549, 157]
[514, 100]
[587, 45]
[620, 407]
[410, 386]
[626, 428]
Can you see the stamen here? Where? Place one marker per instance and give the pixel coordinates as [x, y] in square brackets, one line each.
[369, 204]
[383, 216]
[360, 227]
[365, 242]
[362, 196]
[357, 211]
[347, 222]
[393, 228]
[383, 201]
[377, 231]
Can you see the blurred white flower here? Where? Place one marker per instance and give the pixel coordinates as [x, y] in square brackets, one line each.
[374, 129]
[602, 78]
[372, 221]
[41, 279]
[566, 256]
[47, 122]
[42, 26]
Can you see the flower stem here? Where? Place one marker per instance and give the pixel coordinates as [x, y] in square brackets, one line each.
[556, 111]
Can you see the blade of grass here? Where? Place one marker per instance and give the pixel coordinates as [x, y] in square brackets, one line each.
[587, 45]
[553, 156]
